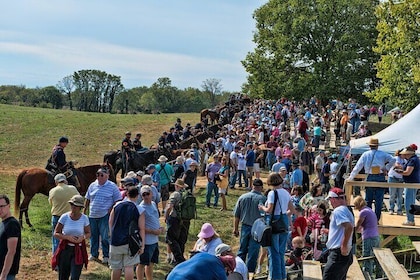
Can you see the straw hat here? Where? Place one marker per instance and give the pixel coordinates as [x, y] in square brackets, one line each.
[373, 142]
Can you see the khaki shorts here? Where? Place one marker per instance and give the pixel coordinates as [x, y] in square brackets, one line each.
[249, 171]
[119, 257]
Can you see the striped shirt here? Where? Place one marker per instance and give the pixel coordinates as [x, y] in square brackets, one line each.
[102, 198]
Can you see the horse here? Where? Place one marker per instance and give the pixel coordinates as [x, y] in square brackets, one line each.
[214, 115]
[114, 158]
[38, 180]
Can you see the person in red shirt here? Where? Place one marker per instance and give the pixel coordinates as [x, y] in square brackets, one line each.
[300, 226]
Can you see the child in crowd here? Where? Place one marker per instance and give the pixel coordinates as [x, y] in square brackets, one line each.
[296, 257]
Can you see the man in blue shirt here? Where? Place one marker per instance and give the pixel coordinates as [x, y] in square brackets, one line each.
[296, 178]
[246, 211]
[375, 163]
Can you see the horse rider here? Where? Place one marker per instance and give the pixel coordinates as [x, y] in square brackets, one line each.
[126, 148]
[57, 162]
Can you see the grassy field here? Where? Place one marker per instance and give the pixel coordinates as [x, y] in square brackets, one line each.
[27, 136]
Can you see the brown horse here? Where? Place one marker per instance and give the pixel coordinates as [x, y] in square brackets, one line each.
[208, 113]
[38, 180]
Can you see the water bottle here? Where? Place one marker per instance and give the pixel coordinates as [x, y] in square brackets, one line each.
[262, 213]
[324, 235]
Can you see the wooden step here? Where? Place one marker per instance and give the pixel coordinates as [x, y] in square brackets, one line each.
[390, 265]
[312, 270]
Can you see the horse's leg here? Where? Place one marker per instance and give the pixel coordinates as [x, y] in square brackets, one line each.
[24, 209]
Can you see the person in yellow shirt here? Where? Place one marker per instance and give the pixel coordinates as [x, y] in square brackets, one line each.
[58, 198]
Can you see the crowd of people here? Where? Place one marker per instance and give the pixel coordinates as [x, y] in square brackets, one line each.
[280, 137]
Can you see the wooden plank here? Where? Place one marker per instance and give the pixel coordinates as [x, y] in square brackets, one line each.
[416, 245]
[387, 240]
[392, 268]
[381, 185]
[312, 270]
[355, 272]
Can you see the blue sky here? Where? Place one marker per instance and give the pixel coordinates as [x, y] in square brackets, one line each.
[188, 41]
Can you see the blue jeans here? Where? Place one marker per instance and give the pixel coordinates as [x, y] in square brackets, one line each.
[232, 179]
[395, 194]
[410, 198]
[10, 277]
[271, 159]
[99, 227]
[242, 173]
[55, 241]
[248, 246]
[367, 251]
[212, 187]
[376, 194]
[276, 253]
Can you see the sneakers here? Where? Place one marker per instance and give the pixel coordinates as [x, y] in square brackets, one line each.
[105, 260]
[92, 258]
[408, 223]
[391, 212]
[400, 213]
[170, 258]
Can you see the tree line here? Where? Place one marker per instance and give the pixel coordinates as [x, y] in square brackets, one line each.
[363, 49]
[98, 91]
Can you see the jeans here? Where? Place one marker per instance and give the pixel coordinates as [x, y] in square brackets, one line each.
[55, 241]
[212, 187]
[232, 179]
[242, 173]
[271, 159]
[395, 195]
[276, 253]
[99, 227]
[248, 246]
[337, 265]
[10, 277]
[410, 198]
[376, 194]
[67, 266]
[367, 251]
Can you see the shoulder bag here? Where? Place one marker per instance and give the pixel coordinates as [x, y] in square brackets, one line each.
[278, 225]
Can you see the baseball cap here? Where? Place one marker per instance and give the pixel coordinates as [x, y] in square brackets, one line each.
[150, 166]
[128, 181]
[335, 193]
[60, 177]
[222, 248]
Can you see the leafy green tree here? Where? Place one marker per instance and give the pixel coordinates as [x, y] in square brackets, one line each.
[212, 87]
[96, 90]
[398, 45]
[128, 101]
[51, 95]
[312, 47]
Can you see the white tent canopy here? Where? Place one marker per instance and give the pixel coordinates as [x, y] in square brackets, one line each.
[400, 134]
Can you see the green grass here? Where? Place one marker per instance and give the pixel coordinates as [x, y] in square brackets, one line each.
[27, 136]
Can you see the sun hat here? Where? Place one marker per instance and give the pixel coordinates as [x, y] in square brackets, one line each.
[335, 192]
[147, 180]
[77, 200]
[407, 152]
[132, 174]
[128, 181]
[162, 158]
[150, 166]
[140, 173]
[145, 188]
[373, 142]
[206, 231]
[222, 248]
[60, 177]
[180, 183]
[283, 168]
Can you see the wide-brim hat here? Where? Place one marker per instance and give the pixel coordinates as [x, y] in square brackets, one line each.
[407, 152]
[373, 142]
[162, 158]
[180, 183]
[206, 231]
[77, 200]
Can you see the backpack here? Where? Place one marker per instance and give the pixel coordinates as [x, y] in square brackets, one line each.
[186, 208]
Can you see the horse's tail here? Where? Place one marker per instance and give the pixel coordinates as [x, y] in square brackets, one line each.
[18, 189]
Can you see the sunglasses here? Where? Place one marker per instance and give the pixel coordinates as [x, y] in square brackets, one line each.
[145, 194]
[100, 174]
